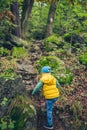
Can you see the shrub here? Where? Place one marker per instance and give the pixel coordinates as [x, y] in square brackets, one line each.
[52, 39]
[52, 61]
[21, 111]
[6, 123]
[58, 68]
[77, 109]
[3, 51]
[8, 74]
[77, 123]
[53, 42]
[85, 37]
[74, 38]
[19, 52]
[83, 59]
[5, 27]
[66, 78]
[38, 35]
[8, 63]
[4, 101]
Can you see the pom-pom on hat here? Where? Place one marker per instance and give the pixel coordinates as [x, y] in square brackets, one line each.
[46, 69]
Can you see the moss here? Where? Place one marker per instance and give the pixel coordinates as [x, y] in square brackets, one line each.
[83, 59]
[19, 52]
[53, 42]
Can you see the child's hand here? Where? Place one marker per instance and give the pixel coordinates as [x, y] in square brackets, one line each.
[61, 89]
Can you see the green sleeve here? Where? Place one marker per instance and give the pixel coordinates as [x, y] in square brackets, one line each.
[57, 84]
[37, 87]
[59, 87]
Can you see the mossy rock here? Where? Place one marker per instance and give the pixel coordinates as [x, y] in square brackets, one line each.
[58, 68]
[74, 38]
[53, 42]
[13, 41]
[20, 42]
[23, 113]
[19, 52]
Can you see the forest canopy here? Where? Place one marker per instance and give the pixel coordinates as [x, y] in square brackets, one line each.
[43, 17]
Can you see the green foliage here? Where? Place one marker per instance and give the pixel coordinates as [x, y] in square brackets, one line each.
[37, 23]
[67, 36]
[84, 35]
[21, 110]
[19, 52]
[77, 123]
[70, 18]
[3, 51]
[38, 34]
[83, 59]
[77, 109]
[52, 39]
[63, 98]
[53, 42]
[5, 27]
[52, 61]
[6, 123]
[66, 78]
[5, 4]
[4, 102]
[8, 74]
[58, 68]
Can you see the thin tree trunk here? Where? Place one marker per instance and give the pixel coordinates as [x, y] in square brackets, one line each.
[26, 11]
[14, 9]
[49, 27]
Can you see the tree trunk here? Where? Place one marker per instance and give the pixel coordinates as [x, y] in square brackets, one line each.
[26, 11]
[49, 27]
[14, 9]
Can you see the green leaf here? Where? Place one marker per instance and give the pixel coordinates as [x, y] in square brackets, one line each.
[11, 125]
[3, 125]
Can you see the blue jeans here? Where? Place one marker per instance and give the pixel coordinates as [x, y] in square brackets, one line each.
[49, 109]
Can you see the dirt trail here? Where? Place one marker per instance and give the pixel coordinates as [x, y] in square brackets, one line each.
[57, 124]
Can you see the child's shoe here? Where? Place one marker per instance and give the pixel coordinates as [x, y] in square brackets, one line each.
[50, 127]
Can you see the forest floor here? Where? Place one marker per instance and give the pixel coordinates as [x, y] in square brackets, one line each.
[77, 91]
[62, 121]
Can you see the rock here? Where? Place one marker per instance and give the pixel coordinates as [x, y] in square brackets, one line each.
[14, 102]
[28, 73]
[9, 89]
[74, 38]
[26, 67]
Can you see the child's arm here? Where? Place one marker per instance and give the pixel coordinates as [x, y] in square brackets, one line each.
[57, 84]
[37, 87]
[59, 87]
